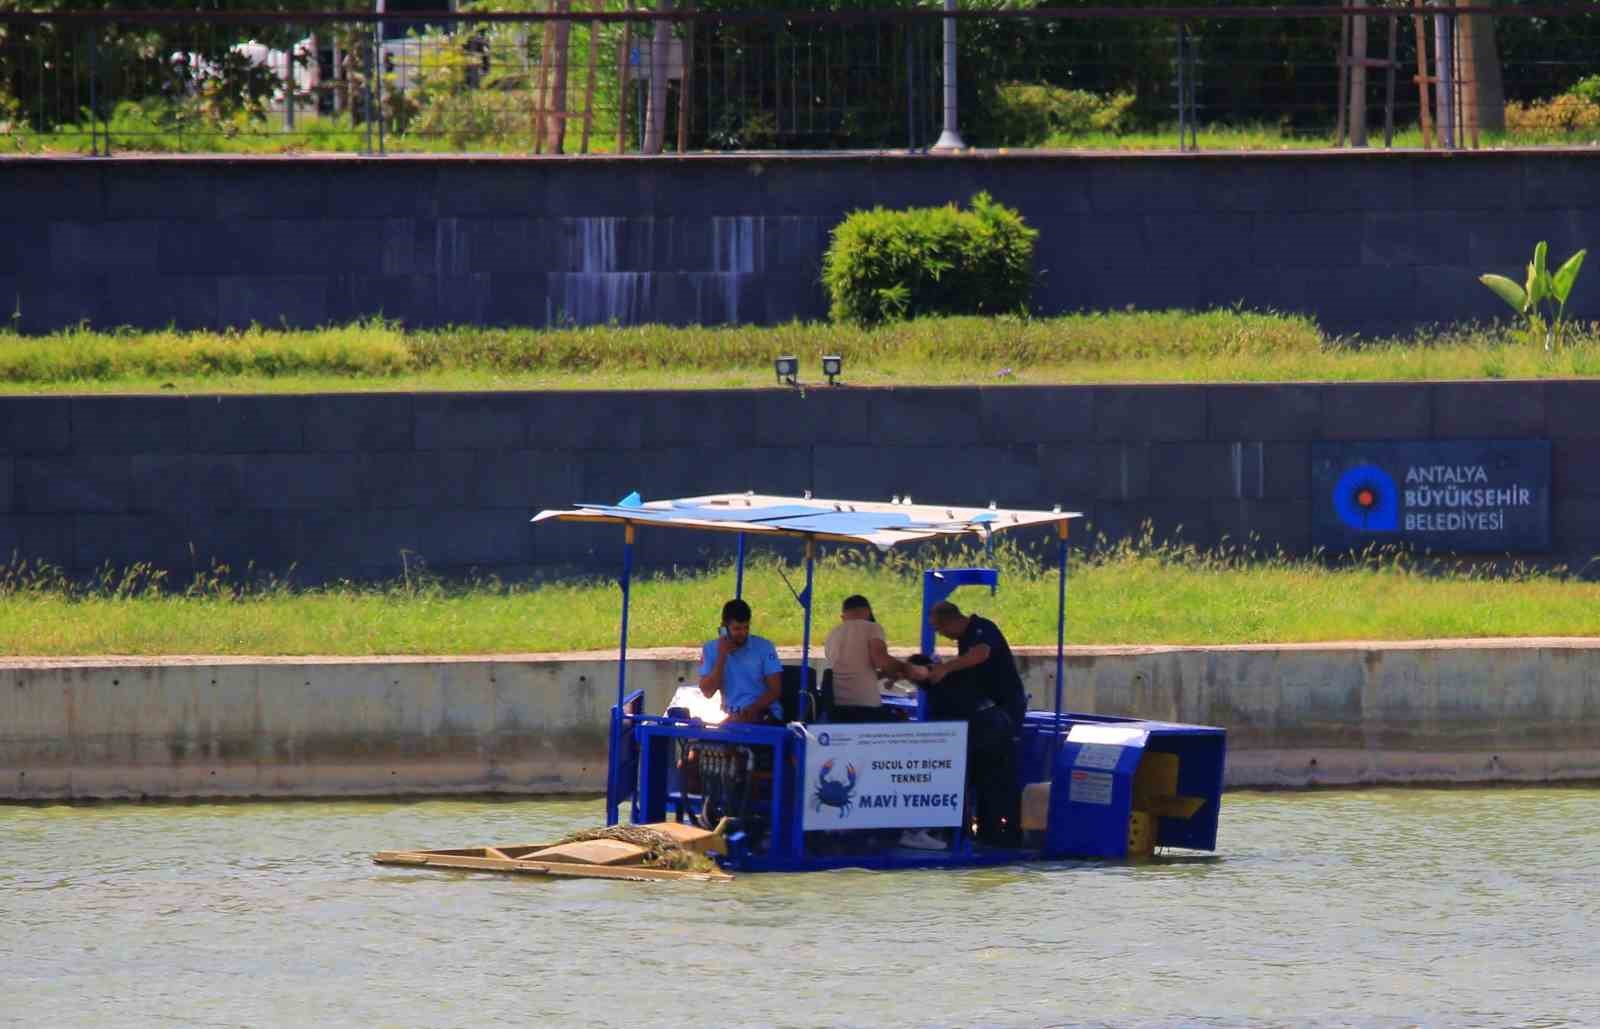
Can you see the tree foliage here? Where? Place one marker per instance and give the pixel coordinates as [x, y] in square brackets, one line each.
[45, 67]
[786, 83]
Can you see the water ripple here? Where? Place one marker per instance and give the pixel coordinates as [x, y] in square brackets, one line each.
[1371, 908]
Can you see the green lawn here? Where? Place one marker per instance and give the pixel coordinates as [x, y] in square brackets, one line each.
[1127, 346]
[1269, 137]
[130, 133]
[1135, 594]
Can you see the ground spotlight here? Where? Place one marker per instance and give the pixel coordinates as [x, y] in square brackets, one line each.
[832, 367]
[786, 368]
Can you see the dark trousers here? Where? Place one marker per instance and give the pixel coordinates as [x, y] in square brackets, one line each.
[992, 767]
[991, 754]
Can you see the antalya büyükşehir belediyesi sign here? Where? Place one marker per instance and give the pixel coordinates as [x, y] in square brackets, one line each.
[1471, 496]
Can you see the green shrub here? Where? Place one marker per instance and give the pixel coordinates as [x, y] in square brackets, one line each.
[1587, 89]
[888, 265]
[1559, 116]
[1029, 114]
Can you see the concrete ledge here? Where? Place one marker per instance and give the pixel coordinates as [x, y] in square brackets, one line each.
[1442, 711]
[803, 157]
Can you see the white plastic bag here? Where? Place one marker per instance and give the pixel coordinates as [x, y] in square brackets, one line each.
[707, 709]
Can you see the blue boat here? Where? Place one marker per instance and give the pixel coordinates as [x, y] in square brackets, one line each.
[810, 794]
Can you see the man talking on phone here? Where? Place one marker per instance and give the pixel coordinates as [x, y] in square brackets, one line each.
[744, 667]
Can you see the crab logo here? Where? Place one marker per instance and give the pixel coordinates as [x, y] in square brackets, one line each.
[832, 792]
[1367, 499]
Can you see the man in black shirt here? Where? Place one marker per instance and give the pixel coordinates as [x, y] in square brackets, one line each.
[982, 687]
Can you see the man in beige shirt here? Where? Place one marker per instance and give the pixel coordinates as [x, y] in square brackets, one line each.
[858, 654]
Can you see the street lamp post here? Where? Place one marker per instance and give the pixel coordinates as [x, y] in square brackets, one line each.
[950, 138]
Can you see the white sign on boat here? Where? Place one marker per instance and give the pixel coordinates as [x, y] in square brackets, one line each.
[883, 776]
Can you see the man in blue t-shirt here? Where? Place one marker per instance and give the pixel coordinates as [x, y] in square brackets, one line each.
[744, 668]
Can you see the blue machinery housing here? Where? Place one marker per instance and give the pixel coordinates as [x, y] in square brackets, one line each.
[1093, 786]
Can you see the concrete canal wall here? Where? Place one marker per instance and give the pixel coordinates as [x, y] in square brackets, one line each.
[1322, 714]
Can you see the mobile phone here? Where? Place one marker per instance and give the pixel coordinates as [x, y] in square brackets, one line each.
[722, 630]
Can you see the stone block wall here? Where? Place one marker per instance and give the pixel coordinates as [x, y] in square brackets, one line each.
[360, 485]
[1368, 242]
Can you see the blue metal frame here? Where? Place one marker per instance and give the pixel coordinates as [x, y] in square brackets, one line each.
[1061, 626]
[626, 582]
[655, 799]
[622, 761]
[639, 769]
[624, 702]
[655, 796]
[939, 583]
[805, 630]
[784, 849]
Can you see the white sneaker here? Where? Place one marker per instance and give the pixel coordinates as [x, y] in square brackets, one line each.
[922, 839]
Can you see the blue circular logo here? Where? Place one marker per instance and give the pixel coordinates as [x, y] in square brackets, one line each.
[1367, 499]
[822, 738]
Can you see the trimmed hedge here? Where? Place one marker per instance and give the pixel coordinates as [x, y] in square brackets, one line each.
[886, 265]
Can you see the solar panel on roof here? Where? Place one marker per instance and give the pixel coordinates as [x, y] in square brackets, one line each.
[643, 513]
[847, 523]
[720, 513]
[879, 524]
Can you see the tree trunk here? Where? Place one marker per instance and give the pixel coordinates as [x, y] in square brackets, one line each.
[593, 32]
[1479, 62]
[683, 84]
[1358, 78]
[655, 116]
[1424, 91]
[624, 56]
[556, 58]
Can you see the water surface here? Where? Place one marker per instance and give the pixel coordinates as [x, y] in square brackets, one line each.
[1458, 907]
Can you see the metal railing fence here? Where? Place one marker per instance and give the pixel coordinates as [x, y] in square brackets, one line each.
[611, 79]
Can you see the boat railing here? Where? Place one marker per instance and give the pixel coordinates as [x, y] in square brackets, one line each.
[622, 756]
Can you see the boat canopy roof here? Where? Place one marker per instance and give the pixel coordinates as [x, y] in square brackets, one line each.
[883, 524]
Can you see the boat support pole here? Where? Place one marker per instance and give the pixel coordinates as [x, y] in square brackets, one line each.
[738, 574]
[805, 631]
[1061, 624]
[625, 582]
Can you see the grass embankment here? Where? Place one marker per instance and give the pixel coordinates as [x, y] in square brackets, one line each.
[1130, 346]
[130, 132]
[1130, 594]
[1267, 137]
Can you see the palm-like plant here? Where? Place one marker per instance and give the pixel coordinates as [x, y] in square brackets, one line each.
[1542, 300]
